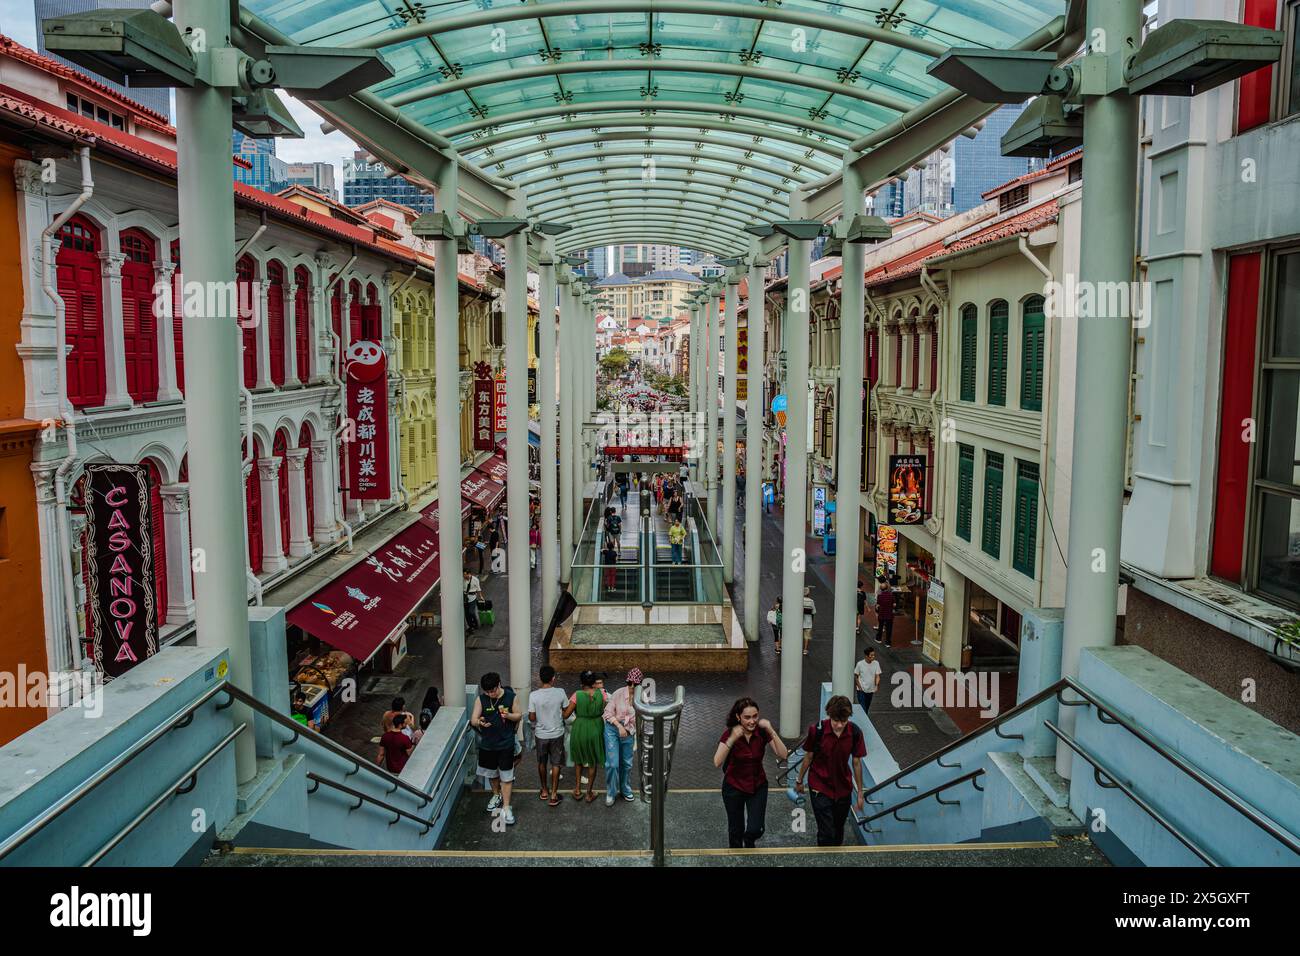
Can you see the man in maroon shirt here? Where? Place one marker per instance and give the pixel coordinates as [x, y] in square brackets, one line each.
[828, 747]
[885, 615]
[395, 747]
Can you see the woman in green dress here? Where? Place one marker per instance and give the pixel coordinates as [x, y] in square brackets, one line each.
[587, 737]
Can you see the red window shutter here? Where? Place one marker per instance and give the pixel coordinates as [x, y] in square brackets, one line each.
[304, 441]
[159, 543]
[281, 451]
[253, 501]
[354, 314]
[139, 326]
[302, 323]
[1235, 405]
[178, 311]
[1254, 90]
[275, 321]
[898, 359]
[79, 285]
[934, 356]
[336, 317]
[244, 273]
[873, 357]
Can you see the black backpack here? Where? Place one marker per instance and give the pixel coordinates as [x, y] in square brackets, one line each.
[820, 729]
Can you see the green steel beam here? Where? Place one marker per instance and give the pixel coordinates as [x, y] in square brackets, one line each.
[553, 69]
[741, 217]
[847, 26]
[627, 175]
[719, 224]
[629, 200]
[687, 238]
[671, 151]
[596, 228]
[750, 130]
[748, 146]
[642, 107]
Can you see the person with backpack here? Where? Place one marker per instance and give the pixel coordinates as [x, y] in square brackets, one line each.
[473, 593]
[495, 718]
[744, 784]
[828, 748]
[774, 618]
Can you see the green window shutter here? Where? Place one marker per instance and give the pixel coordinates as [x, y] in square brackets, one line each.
[965, 488]
[998, 353]
[969, 345]
[1031, 356]
[1025, 539]
[991, 527]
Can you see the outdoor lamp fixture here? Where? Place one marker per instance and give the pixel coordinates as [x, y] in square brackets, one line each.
[761, 229]
[803, 229]
[497, 228]
[261, 114]
[1188, 57]
[994, 76]
[551, 228]
[574, 261]
[1046, 127]
[861, 229]
[137, 48]
[326, 72]
[434, 225]
[732, 261]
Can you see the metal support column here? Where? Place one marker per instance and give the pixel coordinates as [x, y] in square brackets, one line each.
[848, 450]
[711, 406]
[446, 347]
[728, 535]
[794, 528]
[547, 415]
[518, 578]
[567, 419]
[693, 389]
[754, 412]
[213, 366]
[1110, 122]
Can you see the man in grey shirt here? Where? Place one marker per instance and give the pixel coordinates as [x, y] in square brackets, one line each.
[546, 713]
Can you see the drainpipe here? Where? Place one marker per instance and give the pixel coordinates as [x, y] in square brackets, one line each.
[1045, 429]
[247, 463]
[401, 485]
[936, 397]
[872, 310]
[63, 519]
[337, 341]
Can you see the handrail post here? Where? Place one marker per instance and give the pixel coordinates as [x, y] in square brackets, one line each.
[658, 763]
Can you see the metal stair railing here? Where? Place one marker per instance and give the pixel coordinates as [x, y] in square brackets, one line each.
[1106, 716]
[656, 732]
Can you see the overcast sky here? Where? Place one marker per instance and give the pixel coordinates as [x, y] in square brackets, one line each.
[18, 20]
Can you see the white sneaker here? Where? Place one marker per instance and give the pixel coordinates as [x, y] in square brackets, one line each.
[494, 802]
[609, 799]
[510, 817]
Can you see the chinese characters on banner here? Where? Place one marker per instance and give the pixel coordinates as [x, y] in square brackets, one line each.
[742, 363]
[119, 567]
[483, 421]
[499, 402]
[906, 489]
[532, 386]
[367, 374]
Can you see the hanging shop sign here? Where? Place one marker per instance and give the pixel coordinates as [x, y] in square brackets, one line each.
[865, 435]
[933, 641]
[886, 552]
[119, 566]
[742, 363]
[499, 402]
[483, 437]
[906, 489]
[532, 386]
[779, 405]
[819, 510]
[367, 377]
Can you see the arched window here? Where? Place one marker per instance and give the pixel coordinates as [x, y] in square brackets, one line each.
[178, 310]
[305, 437]
[159, 536]
[1032, 358]
[354, 312]
[82, 291]
[139, 326]
[998, 353]
[371, 318]
[336, 316]
[969, 351]
[275, 320]
[280, 449]
[245, 273]
[253, 506]
[302, 322]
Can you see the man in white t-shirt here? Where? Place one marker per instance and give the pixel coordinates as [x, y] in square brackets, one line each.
[866, 678]
[546, 714]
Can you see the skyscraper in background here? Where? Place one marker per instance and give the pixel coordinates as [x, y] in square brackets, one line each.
[158, 100]
[269, 173]
[365, 181]
[979, 164]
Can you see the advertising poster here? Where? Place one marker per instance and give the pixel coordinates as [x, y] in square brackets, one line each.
[819, 510]
[886, 552]
[906, 489]
[119, 567]
[367, 374]
[933, 637]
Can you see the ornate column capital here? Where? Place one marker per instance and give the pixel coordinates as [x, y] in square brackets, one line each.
[43, 476]
[175, 498]
[268, 469]
[28, 177]
[296, 458]
[112, 262]
[320, 449]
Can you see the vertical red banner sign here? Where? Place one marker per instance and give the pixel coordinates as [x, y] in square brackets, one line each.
[483, 418]
[499, 402]
[742, 363]
[119, 566]
[367, 374]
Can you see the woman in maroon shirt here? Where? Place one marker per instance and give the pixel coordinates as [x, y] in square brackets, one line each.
[744, 784]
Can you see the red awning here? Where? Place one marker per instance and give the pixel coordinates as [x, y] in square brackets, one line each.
[495, 468]
[360, 609]
[479, 489]
[429, 514]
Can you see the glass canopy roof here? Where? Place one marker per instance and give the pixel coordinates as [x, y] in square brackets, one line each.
[677, 112]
